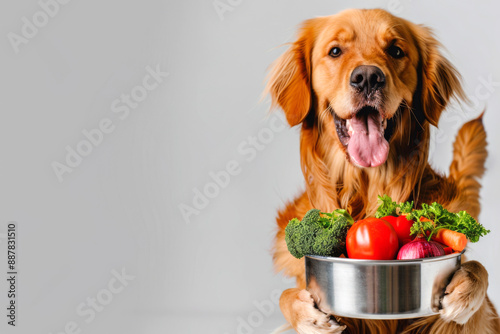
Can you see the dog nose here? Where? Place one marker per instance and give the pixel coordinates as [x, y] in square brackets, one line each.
[367, 78]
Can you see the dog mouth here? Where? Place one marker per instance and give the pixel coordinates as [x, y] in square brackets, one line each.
[366, 136]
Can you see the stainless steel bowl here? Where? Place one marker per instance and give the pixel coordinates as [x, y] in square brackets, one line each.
[370, 289]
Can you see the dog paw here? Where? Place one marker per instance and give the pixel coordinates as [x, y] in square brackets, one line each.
[310, 319]
[465, 294]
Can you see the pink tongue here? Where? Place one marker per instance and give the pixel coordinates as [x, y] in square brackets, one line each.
[367, 146]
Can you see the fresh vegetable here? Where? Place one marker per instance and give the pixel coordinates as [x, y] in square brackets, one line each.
[438, 232]
[373, 239]
[420, 248]
[402, 227]
[390, 219]
[431, 218]
[447, 250]
[389, 208]
[438, 218]
[456, 240]
[318, 233]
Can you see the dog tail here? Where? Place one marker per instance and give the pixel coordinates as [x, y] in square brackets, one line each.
[469, 157]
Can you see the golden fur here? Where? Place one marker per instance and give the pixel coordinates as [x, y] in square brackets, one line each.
[308, 84]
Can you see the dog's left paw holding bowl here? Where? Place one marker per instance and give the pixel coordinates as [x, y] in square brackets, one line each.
[465, 294]
[299, 309]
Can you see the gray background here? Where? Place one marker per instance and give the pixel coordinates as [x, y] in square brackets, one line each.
[120, 207]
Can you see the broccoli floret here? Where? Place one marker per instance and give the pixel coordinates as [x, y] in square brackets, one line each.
[300, 235]
[318, 235]
[312, 216]
[330, 241]
[309, 227]
[292, 237]
[327, 244]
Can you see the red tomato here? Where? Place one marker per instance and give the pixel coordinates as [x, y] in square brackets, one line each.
[390, 219]
[373, 239]
[402, 227]
[447, 250]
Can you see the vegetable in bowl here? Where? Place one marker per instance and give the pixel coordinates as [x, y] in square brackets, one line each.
[318, 233]
[430, 219]
[383, 237]
[372, 239]
[420, 248]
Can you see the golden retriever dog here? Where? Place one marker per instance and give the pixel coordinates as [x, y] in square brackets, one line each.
[365, 88]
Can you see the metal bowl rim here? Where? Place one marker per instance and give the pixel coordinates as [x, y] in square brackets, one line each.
[384, 262]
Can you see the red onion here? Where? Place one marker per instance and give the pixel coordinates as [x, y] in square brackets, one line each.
[420, 248]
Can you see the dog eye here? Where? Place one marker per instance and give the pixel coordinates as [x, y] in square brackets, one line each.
[335, 52]
[395, 52]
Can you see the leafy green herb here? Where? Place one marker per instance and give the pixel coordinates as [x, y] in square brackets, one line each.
[332, 217]
[386, 207]
[389, 208]
[405, 207]
[441, 218]
[421, 227]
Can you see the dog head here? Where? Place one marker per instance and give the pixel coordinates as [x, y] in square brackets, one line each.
[364, 74]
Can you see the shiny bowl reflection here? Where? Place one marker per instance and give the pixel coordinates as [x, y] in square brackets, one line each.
[370, 289]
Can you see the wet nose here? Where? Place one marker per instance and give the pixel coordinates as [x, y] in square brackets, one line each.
[367, 78]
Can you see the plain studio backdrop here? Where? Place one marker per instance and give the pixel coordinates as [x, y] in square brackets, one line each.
[117, 115]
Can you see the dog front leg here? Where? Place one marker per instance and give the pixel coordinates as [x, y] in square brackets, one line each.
[301, 312]
[465, 298]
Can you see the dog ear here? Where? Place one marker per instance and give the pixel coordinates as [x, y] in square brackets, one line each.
[289, 82]
[440, 81]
